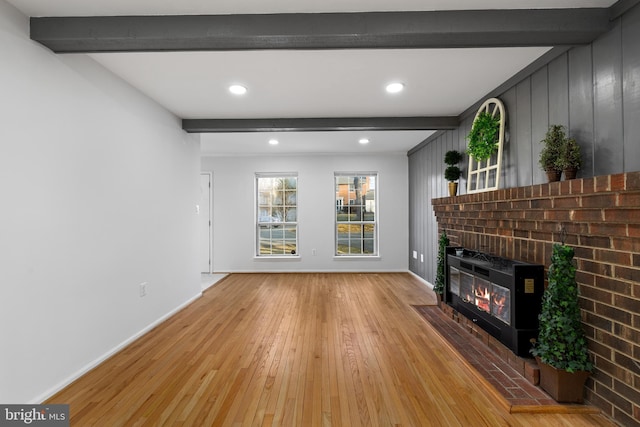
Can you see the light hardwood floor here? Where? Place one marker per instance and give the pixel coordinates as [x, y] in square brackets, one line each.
[296, 350]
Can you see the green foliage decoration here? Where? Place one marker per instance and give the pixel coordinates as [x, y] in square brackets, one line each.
[561, 341]
[570, 156]
[438, 287]
[483, 138]
[452, 173]
[452, 157]
[551, 154]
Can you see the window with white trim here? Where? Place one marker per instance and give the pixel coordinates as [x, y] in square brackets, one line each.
[356, 225]
[277, 215]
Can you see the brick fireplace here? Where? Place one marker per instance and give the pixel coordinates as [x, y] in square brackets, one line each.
[600, 218]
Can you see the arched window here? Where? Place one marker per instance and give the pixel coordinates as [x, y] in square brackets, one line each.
[484, 175]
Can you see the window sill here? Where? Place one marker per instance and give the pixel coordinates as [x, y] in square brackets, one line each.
[357, 257]
[277, 258]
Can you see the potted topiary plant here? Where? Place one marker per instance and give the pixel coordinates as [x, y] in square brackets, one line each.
[554, 142]
[483, 138]
[561, 347]
[452, 172]
[570, 158]
[438, 286]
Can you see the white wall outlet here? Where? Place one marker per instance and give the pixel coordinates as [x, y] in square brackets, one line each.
[421, 257]
[143, 289]
[415, 254]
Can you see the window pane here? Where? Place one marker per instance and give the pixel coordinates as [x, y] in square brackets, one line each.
[277, 227]
[356, 230]
[291, 214]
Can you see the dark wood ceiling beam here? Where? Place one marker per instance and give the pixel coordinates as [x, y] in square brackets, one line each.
[367, 30]
[318, 124]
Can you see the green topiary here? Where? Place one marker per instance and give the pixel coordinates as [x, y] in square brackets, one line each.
[561, 341]
[438, 287]
[483, 138]
[452, 173]
[452, 157]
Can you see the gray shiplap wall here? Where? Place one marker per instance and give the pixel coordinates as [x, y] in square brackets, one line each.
[593, 90]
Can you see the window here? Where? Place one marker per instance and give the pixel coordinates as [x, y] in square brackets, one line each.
[277, 215]
[356, 221]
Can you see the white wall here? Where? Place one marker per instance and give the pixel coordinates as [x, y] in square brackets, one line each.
[234, 211]
[98, 189]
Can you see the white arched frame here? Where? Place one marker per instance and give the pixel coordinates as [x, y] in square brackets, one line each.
[484, 175]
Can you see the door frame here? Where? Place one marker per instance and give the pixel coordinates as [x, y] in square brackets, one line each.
[210, 229]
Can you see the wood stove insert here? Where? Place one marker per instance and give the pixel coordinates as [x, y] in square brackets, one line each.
[500, 295]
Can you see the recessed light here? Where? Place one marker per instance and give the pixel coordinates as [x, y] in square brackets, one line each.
[395, 87]
[274, 142]
[364, 140]
[237, 89]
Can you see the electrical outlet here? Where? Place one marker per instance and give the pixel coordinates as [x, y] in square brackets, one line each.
[143, 289]
[313, 252]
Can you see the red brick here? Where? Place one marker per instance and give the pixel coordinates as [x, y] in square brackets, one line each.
[595, 267]
[559, 215]
[625, 244]
[631, 274]
[599, 322]
[617, 400]
[534, 215]
[613, 285]
[608, 229]
[618, 182]
[598, 348]
[565, 187]
[596, 294]
[587, 215]
[532, 373]
[588, 185]
[539, 235]
[633, 181]
[613, 257]
[600, 240]
[602, 183]
[627, 303]
[566, 202]
[576, 186]
[626, 215]
[623, 417]
[629, 199]
[620, 316]
[599, 200]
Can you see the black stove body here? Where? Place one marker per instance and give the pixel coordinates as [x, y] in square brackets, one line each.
[501, 296]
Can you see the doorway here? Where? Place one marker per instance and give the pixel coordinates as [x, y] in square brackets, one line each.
[206, 236]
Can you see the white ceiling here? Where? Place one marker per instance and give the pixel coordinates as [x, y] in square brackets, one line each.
[319, 83]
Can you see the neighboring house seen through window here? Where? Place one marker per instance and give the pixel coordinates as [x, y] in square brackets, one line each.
[356, 218]
[277, 215]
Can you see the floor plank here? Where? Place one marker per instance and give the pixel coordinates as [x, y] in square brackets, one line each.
[288, 349]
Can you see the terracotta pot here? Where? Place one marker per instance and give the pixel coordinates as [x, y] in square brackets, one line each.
[562, 386]
[570, 173]
[553, 175]
[453, 188]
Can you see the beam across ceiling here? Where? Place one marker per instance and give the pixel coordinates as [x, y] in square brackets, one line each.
[318, 124]
[367, 30]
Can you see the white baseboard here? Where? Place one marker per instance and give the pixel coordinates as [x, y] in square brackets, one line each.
[110, 353]
[426, 282]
